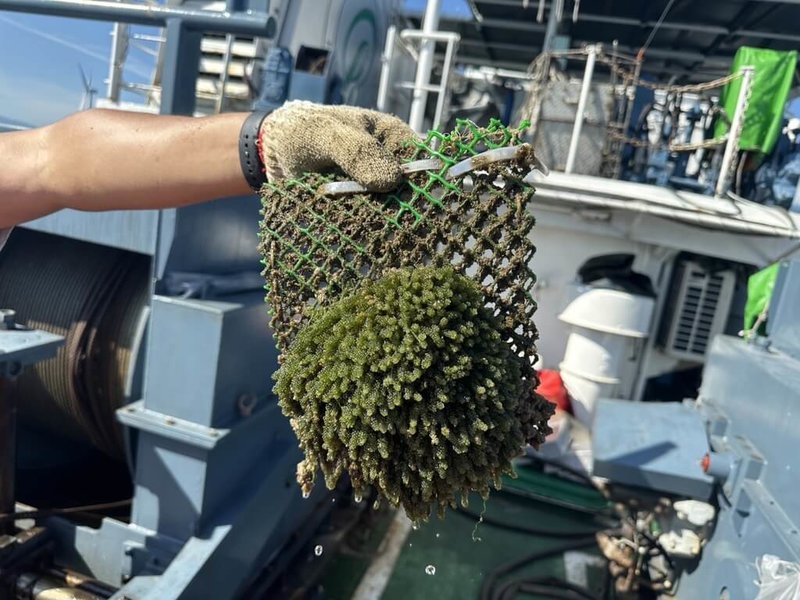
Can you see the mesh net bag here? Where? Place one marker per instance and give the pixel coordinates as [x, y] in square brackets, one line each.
[317, 250]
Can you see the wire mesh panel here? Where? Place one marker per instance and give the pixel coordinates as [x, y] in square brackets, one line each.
[316, 248]
[416, 424]
[405, 321]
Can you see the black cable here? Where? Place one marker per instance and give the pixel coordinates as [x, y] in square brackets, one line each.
[585, 479]
[541, 591]
[42, 513]
[656, 28]
[530, 530]
[653, 542]
[549, 587]
[489, 581]
[512, 490]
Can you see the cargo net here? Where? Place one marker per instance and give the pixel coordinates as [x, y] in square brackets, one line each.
[318, 249]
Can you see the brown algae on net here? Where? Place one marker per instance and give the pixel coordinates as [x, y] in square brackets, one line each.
[404, 324]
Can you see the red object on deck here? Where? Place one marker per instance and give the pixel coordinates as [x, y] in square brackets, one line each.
[552, 388]
[705, 462]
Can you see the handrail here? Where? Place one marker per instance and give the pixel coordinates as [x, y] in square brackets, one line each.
[256, 24]
[183, 27]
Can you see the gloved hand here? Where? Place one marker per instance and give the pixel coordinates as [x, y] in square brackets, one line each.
[302, 137]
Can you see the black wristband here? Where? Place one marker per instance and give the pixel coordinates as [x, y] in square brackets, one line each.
[249, 157]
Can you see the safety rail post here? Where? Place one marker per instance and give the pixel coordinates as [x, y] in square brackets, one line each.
[735, 132]
[451, 39]
[579, 115]
[430, 23]
[382, 103]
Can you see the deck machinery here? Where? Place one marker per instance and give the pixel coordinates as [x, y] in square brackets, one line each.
[164, 332]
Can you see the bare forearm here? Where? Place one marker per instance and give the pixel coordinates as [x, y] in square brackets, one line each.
[103, 160]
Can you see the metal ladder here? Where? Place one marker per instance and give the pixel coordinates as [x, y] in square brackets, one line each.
[405, 40]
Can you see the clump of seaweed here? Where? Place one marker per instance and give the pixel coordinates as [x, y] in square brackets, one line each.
[422, 395]
[408, 385]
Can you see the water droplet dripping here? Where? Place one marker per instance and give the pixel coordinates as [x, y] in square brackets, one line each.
[357, 497]
[318, 550]
[415, 526]
[306, 494]
[437, 535]
[430, 570]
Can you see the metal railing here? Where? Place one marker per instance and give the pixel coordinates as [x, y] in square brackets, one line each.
[421, 83]
[183, 31]
[595, 53]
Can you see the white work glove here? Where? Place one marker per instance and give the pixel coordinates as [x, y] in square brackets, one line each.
[303, 137]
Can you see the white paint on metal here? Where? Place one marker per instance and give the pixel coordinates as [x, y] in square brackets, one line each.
[430, 23]
[119, 42]
[375, 579]
[727, 214]
[382, 103]
[732, 146]
[579, 115]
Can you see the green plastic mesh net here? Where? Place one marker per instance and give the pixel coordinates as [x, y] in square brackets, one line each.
[329, 261]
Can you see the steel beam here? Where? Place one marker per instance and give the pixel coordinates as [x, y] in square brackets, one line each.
[154, 15]
[698, 74]
[630, 22]
[181, 63]
[488, 62]
[665, 53]
[524, 48]
[519, 25]
[769, 35]
[512, 3]
[553, 24]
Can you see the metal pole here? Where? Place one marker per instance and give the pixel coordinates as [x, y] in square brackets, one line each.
[119, 43]
[440, 101]
[8, 448]
[155, 15]
[553, 20]
[732, 145]
[795, 206]
[223, 78]
[430, 24]
[631, 95]
[579, 115]
[181, 63]
[382, 103]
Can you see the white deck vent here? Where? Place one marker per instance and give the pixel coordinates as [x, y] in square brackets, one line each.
[697, 310]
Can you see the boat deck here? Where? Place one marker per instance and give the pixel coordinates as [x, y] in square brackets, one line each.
[457, 557]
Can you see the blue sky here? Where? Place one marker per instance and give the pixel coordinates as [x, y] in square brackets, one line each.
[39, 57]
[453, 8]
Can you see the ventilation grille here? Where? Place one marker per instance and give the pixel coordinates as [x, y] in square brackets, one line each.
[245, 51]
[698, 310]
